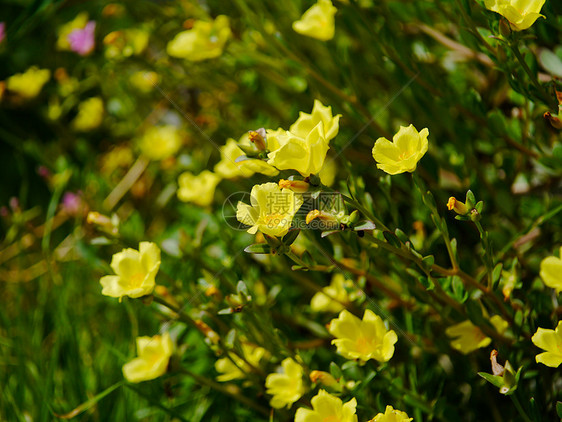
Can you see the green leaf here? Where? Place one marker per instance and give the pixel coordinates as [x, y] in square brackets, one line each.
[290, 237]
[392, 239]
[365, 225]
[258, 248]
[559, 409]
[551, 62]
[335, 370]
[496, 380]
[90, 403]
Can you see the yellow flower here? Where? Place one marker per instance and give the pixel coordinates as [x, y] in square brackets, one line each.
[551, 341]
[468, 337]
[521, 14]
[391, 415]
[198, 189]
[304, 146]
[205, 40]
[229, 168]
[230, 370]
[363, 339]
[318, 21]
[152, 361]
[90, 114]
[323, 302]
[320, 113]
[135, 271]
[456, 205]
[160, 142]
[79, 22]
[328, 173]
[403, 154]
[28, 84]
[551, 272]
[328, 408]
[271, 211]
[287, 387]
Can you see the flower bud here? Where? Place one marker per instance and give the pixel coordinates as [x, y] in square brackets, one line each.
[554, 120]
[455, 205]
[324, 378]
[297, 186]
[207, 331]
[257, 137]
[103, 222]
[330, 220]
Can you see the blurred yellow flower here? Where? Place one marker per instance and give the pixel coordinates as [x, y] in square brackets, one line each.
[236, 368]
[551, 272]
[328, 408]
[198, 189]
[391, 415]
[144, 80]
[403, 154]
[323, 302]
[329, 171]
[287, 387]
[135, 271]
[318, 21]
[303, 148]
[467, 337]
[79, 22]
[153, 358]
[28, 84]
[521, 14]
[229, 168]
[551, 341]
[362, 339]
[271, 209]
[205, 40]
[160, 142]
[125, 43]
[90, 114]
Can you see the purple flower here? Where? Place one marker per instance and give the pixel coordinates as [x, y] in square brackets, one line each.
[73, 204]
[82, 40]
[2, 31]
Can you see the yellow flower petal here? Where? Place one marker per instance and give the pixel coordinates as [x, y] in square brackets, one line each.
[318, 21]
[153, 356]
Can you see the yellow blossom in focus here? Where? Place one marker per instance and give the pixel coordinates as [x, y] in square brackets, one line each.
[271, 209]
[198, 189]
[229, 168]
[391, 415]
[521, 14]
[287, 387]
[323, 302]
[160, 142]
[304, 147]
[403, 154]
[551, 272]
[551, 341]
[28, 84]
[135, 272]
[467, 337]
[79, 22]
[328, 408]
[230, 370]
[205, 40]
[153, 357]
[320, 113]
[362, 339]
[318, 21]
[329, 171]
[90, 114]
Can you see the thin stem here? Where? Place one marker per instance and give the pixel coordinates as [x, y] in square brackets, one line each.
[351, 201]
[520, 408]
[229, 392]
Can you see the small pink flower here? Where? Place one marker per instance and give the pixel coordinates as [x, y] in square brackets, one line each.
[2, 31]
[82, 40]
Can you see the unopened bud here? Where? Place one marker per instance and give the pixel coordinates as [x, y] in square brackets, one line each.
[505, 28]
[103, 222]
[475, 215]
[455, 205]
[257, 137]
[298, 186]
[207, 331]
[324, 378]
[330, 219]
[554, 120]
